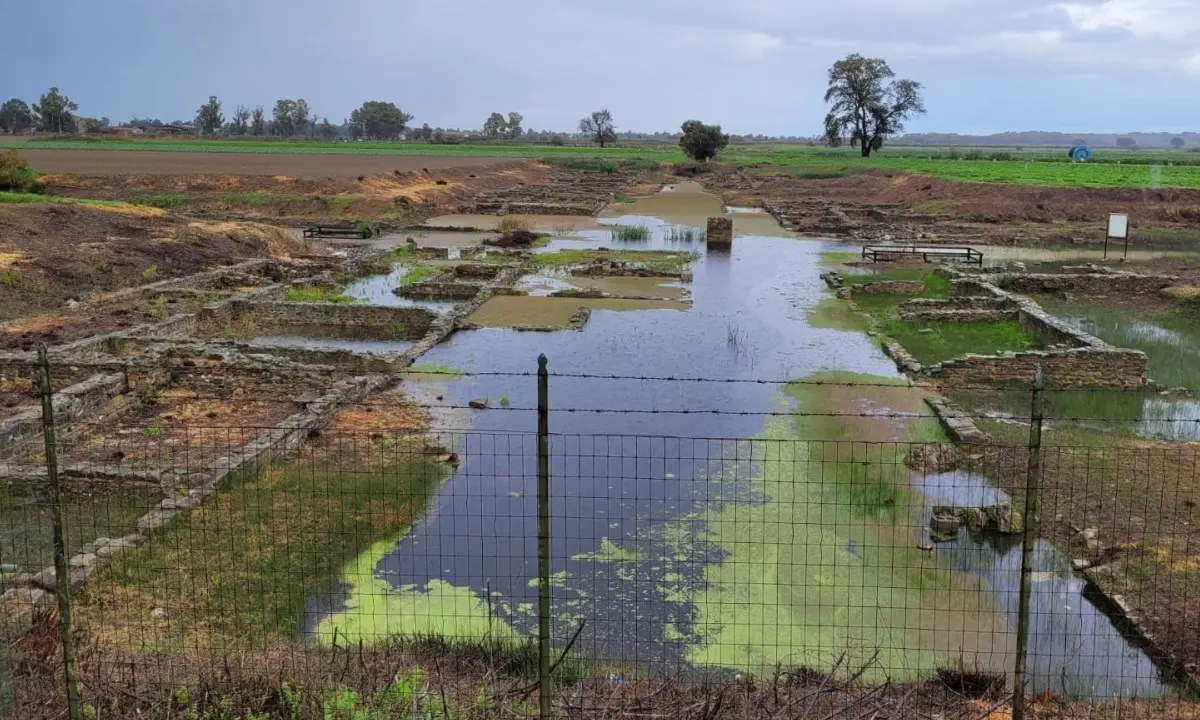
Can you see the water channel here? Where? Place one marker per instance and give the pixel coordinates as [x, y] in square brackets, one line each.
[712, 543]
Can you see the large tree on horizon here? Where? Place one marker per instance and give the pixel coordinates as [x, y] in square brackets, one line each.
[209, 118]
[54, 111]
[866, 103]
[600, 126]
[379, 120]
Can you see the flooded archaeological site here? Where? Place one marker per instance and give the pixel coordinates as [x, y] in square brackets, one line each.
[708, 528]
[774, 459]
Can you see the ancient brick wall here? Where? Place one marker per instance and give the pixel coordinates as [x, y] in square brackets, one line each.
[1076, 368]
[278, 314]
[1094, 283]
[891, 287]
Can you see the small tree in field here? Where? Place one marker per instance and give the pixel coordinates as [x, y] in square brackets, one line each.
[209, 118]
[495, 126]
[599, 125]
[258, 122]
[379, 120]
[16, 116]
[1178, 143]
[702, 142]
[866, 104]
[1126, 142]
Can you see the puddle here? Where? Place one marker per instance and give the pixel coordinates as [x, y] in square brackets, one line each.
[644, 520]
[379, 290]
[545, 312]
[367, 347]
[1172, 347]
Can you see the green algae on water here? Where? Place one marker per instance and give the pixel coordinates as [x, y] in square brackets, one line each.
[376, 611]
[608, 552]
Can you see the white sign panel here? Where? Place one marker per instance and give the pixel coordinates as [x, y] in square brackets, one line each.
[1118, 226]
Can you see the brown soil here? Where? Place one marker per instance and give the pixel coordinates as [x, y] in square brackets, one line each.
[398, 196]
[876, 203]
[312, 166]
[55, 252]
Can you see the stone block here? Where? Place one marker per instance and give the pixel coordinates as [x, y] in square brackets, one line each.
[720, 231]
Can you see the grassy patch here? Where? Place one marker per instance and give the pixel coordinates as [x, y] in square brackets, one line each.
[26, 537]
[165, 202]
[257, 198]
[242, 567]
[318, 294]
[935, 342]
[624, 198]
[656, 260]
[835, 314]
[11, 197]
[338, 204]
[418, 273]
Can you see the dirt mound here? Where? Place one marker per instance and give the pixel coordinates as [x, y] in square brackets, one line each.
[891, 205]
[398, 196]
[516, 238]
[51, 252]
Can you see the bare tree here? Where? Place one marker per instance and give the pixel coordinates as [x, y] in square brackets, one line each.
[867, 104]
[599, 125]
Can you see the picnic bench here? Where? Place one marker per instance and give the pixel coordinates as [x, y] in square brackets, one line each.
[883, 253]
[337, 231]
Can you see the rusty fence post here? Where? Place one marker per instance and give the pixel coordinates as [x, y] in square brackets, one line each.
[62, 579]
[545, 682]
[1033, 487]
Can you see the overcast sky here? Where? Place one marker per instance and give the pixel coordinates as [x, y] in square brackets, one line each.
[751, 65]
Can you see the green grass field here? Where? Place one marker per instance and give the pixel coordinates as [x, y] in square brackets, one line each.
[1031, 166]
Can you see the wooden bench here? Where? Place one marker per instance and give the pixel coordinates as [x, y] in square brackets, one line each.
[880, 253]
[337, 231]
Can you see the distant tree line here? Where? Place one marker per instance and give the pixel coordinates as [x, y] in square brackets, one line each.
[867, 106]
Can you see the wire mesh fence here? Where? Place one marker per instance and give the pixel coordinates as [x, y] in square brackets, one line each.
[293, 572]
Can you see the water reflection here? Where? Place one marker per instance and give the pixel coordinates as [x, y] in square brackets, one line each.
[1074, 649]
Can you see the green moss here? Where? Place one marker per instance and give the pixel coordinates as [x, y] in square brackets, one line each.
[835, 314]
[12, 197]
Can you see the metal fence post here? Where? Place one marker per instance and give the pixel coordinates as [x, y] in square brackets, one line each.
[62, 578]
[1032, 490]
[545, 682]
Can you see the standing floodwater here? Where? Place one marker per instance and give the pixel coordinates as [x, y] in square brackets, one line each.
[680, 549]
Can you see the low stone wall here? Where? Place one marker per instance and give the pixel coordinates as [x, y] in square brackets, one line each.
[959, 309]
[957, 424]
[438, 291]
[1093, 283]
[889, 287]
[1061, 369]
[285, 314]
[70, 404]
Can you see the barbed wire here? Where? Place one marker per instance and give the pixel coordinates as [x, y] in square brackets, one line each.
[900, 383]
